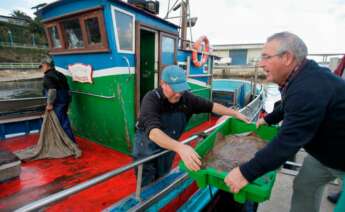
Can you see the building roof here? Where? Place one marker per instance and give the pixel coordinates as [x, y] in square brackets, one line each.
[14, 20]
[238, 46]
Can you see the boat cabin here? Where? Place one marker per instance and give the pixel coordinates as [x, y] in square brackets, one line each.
[113, 53]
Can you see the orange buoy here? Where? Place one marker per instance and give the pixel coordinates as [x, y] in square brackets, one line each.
[204, 55]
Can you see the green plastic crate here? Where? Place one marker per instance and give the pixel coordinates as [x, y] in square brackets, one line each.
[257, 191]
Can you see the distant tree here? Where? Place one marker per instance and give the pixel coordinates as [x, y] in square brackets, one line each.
[21, 14]
[36, 26]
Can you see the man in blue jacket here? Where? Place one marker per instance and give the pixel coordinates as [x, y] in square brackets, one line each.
[313, 114]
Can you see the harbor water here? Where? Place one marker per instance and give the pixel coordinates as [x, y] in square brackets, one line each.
[21, 89]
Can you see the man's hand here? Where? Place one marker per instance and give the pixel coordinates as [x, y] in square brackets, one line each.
[49, 107]
[242, 117]
[260, 122]
[235, 180]
[189, 157]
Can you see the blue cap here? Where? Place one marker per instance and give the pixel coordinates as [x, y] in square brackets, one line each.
[175, 77]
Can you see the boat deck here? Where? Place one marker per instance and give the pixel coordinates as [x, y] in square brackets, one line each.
[41, 178]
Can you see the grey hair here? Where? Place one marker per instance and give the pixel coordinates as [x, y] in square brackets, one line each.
[290, 42]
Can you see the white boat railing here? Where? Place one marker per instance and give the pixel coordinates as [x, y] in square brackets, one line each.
[67, 192]
[253, 108]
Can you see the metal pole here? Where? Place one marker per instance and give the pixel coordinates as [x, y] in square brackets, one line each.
[255, 78]
[33, 39]
[183, 23]
[10, 37]
[153, 199]
[139, 180]
[190, 24]
[188, 66]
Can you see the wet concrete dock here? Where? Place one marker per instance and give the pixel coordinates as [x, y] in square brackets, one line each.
[282, 191]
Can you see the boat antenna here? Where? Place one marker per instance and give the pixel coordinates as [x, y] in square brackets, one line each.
[185, 20]
[189, 18]
[171, 8]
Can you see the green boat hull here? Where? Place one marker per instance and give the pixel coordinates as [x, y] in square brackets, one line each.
[104, 111]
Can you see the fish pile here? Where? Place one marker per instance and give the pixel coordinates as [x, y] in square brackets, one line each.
[232, 151]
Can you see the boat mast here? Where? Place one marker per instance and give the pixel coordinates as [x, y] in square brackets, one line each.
[184, 18]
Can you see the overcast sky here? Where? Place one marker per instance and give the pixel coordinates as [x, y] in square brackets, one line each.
[320, 23]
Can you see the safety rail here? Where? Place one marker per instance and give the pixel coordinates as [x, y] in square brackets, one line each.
[65, 193]
[22, 45]
[19, 65]
[92, 94]
[244, 66]
[253, 108]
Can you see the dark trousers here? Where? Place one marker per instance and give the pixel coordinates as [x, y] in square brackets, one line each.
[61, 112]
[153, 169]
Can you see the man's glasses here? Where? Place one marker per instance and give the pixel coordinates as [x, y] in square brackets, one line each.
[267, 57]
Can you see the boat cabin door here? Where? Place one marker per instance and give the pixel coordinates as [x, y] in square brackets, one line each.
[148, 77]
[154, 51]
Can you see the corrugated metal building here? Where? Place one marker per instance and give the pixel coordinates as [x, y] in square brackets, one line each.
[240, 54]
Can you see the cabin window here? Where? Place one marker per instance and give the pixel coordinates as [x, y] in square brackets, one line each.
[78, 33]
[54, 37]
[73, 34]
[92, 30]
[124, 30]
[168, 50]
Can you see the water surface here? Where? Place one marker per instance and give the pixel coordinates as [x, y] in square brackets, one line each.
[21, 89]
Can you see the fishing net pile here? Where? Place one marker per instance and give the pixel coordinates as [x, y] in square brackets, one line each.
[52, 143]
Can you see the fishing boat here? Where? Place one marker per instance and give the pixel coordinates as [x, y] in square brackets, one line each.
[112, 53]
[240, 94]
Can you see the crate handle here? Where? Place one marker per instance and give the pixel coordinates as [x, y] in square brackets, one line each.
[218, 174]
[240, 197]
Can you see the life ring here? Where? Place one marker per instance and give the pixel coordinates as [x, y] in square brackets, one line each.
[204, 55]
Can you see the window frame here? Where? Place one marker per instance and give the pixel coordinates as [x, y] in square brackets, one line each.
[173, 36]
[100, 20]
[116, 35]
[81, 17]
[166, 35]
[50, 42]
[83, 36]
